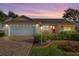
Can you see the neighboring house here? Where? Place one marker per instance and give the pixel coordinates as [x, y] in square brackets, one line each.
[21, 26]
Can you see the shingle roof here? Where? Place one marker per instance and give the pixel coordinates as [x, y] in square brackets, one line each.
[36, 20]
[50, 20]
[18, 19]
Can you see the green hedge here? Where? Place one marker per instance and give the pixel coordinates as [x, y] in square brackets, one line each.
[44, 37]
[70, 35]
[2, 34]
[38, 37]
[67, 35]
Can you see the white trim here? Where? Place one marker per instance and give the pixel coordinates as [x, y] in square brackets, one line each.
[7, 29]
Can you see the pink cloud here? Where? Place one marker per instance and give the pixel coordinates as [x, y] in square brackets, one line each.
[49, 14]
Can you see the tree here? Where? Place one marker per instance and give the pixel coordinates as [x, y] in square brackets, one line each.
[12, 14]
[71, 15]
[3, 16]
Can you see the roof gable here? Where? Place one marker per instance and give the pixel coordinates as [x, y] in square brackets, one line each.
[17, 19]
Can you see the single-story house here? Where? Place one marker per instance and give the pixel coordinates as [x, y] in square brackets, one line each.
[21, 26]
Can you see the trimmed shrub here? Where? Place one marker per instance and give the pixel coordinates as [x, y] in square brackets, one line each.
[40, 37]
[70, 35]
[2, 34]
[67, 35]
[49, 36]
[36, 38]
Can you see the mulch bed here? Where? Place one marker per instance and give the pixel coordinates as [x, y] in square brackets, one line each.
[70, 47]
[43, 45]
[46, 44]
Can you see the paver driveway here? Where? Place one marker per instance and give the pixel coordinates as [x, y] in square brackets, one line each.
[15, 46]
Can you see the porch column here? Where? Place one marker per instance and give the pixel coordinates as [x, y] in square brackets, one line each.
[59, 29]
[7, 30]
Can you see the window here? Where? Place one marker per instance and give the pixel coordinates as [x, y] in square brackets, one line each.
[37, 25]
[67, 28]
[45, 27]
[53, 28]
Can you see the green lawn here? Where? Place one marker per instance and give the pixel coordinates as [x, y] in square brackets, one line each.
[52, 50]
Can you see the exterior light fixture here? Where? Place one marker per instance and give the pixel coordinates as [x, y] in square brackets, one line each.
[41, 27]
[6, 25]
[37, 25]
[7, 30]
[50, 26]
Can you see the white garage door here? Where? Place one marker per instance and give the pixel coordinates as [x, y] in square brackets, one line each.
[21, 30]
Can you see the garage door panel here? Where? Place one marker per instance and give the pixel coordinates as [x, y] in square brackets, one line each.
[16, 31]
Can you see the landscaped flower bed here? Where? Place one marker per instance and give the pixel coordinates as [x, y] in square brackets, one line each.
[70, 47]
[57, 48]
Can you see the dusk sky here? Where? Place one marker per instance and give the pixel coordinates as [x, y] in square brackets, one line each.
[37, 10]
